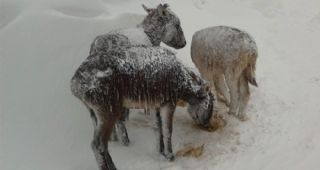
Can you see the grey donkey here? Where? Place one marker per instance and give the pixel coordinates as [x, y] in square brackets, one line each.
[227, 57]
[160, 25]
[138, 77]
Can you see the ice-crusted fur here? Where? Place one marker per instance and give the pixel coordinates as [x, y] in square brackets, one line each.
[160, 25]
[227, 55]
[138, 77]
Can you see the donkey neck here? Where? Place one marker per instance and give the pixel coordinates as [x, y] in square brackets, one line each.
[154, 32]
[188, 88]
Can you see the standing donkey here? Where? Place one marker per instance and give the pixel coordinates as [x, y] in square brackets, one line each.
[228, 54]
[160, 25]
[138, 77]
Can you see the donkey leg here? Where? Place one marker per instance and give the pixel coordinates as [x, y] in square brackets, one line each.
[232, 82]
[221, 88]
[100, 141]
[114, 136]
[94, 121]
[93, 117]
[121, 128]
[166, 117]
[160, 145]
[244, 97]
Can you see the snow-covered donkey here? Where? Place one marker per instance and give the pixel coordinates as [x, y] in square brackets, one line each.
[160, 25]
[228, 54]
[138, 77]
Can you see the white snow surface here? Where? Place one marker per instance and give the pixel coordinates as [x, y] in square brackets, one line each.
[42, 126]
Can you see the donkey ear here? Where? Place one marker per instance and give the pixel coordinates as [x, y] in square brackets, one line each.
[165, 5]
[148, 10]
[162, 10]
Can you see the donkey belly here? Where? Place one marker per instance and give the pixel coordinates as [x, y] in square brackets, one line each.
[142, 104]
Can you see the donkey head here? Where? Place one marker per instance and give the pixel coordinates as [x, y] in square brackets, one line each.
[200, 101]
[162, 25]
[201, 108]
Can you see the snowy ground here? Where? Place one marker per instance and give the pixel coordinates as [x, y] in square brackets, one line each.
[42, 126]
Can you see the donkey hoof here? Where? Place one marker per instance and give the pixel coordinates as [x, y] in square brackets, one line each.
[169, 156]
[125, 141]
[243, 117]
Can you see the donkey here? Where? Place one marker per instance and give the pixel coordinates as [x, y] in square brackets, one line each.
[138, 77]
[160, 25]
[228, 54]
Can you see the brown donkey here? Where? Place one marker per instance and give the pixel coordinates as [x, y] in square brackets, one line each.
[138, 77]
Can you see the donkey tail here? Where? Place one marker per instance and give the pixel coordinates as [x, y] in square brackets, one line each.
[250, 72]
